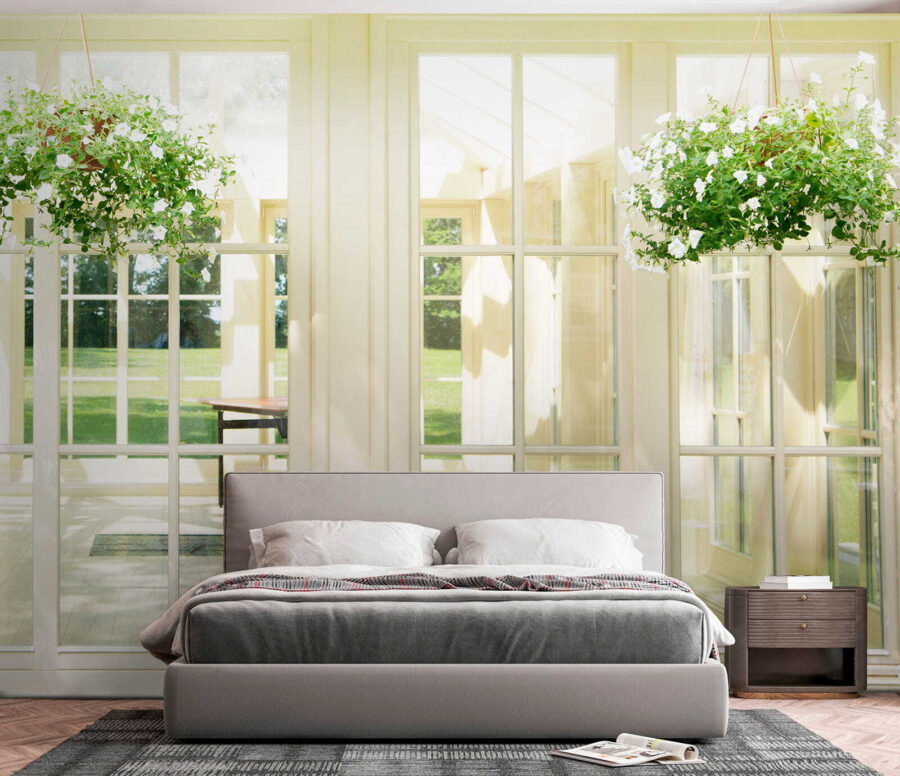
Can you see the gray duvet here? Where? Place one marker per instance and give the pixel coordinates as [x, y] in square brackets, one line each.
[259, 625]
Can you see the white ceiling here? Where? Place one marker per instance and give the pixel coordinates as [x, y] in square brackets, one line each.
[448, 6]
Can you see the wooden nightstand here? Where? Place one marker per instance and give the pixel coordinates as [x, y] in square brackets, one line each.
[796, 642]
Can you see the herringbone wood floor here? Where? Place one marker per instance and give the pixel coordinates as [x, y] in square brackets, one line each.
[867, 727]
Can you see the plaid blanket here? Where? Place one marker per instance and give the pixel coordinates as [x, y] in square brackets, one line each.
[422, 581]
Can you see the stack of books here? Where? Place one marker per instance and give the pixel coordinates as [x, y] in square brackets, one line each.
[795, 582]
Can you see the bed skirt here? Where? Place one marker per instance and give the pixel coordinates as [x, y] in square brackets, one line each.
[537, 700]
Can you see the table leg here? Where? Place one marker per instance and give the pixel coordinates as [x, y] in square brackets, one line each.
[221, 438]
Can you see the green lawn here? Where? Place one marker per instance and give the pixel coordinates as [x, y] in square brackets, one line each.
[443, 401]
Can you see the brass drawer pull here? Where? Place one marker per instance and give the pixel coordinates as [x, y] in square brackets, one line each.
[804, 597]
[803, 626]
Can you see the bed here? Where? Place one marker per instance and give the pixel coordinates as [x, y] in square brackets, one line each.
[250, 661]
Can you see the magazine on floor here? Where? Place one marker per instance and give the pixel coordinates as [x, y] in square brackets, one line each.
[629, 749]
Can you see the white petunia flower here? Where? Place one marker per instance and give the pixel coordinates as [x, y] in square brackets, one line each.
[677, 248]
[760, 180]
[861, 101]
[699, 187]
[87, 129]
[709, 177]
[11, 140]
[63, 161]
[187, 208]
[137, 136]
[754, 115]
[870, 175]
[160, 205]
[158, 232]
[43, 192]
[727, 152]
[740, 175]
[664, 118]
[865, 58]
[815, 78]
[889, 216]
[170, 125]
[706, 127]
[890, 180]
[851, 143]
[712, 158]
[670, 148]
[204, 273]
[769, 162]
[632, 164]
[656, 172]
[122, 129]
[694, 237]
[30, 151]
[737, 126]
[155, 151]
[772, 120]
[753, 203]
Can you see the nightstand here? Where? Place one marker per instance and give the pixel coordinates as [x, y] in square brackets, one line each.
[806, 642]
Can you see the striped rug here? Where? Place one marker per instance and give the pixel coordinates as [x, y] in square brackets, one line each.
[133, 743]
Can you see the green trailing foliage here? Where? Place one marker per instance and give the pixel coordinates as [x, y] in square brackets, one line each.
[756, 177]
[109, 167]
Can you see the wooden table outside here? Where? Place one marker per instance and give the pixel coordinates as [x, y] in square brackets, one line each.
[273, 408]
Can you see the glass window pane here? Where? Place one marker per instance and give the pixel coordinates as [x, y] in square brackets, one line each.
[726, 523]
[830, 68]
[830, 356]
[569, 129]
[833, 525]
[93, 412]
[719, 75]
[148, 274]
[570, 350]
[473, 406]
[465, 140]
[16, 341]
[15, 550]
[571, 463]
[148, 412]
[94, 338]
[113, 565]
[200, 532]
[148, 338]
[724, 351]
[246, 96]
[233, 346]
[467, 463]
[19, 66]
[144, 72]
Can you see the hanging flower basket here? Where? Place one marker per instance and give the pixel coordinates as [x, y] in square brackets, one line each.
[757, 177]
[110, 167]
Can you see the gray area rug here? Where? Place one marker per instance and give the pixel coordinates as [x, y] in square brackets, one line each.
[133, 743]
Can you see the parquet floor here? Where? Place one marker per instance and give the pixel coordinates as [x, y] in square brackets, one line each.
[867, 727]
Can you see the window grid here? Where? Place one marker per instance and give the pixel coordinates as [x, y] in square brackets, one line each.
[518, 252]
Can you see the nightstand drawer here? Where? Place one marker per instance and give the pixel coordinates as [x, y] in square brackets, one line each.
[802, 633]
[812, 604]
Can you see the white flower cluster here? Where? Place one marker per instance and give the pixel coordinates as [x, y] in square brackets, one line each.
[689, 168]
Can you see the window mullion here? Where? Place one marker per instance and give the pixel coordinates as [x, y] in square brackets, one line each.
[518, 197]
[776, 344]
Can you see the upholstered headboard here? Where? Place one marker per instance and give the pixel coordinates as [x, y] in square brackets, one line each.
[441, 500]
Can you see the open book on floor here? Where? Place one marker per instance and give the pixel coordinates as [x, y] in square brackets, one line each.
[630, 749]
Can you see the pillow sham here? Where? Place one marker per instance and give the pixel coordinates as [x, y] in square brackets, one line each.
[328, 542]
[548, 541]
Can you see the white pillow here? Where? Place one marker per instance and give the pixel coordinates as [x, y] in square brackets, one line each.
[327, 542]
[547, 541]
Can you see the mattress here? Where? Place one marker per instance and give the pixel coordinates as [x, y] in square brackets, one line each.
[440, 614]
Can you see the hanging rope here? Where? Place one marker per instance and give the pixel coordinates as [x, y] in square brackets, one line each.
[787, 50]
[87, 52]
[737, 97]
[53, 55]
[774, 68]
[84, 43]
